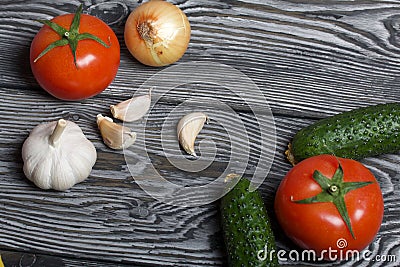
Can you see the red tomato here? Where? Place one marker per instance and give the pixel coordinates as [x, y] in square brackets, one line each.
[320, 226]
[96, 65]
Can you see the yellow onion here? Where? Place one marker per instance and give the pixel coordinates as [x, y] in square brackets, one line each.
[157, 33]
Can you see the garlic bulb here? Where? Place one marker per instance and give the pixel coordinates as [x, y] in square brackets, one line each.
[188, 128]
[57, 155]
[115, 136]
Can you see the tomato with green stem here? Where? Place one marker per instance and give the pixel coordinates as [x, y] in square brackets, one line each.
[75, 56]
[330, 205]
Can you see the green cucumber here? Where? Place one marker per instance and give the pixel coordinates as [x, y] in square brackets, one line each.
[355, 134]
[247, 231]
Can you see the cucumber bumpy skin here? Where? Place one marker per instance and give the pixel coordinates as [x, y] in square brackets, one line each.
[355, 134]
[246, 228]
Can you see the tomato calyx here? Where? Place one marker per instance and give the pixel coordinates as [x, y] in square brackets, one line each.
[334, 191]
[69, 37]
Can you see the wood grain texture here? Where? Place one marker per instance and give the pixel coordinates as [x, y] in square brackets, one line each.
[310, 59]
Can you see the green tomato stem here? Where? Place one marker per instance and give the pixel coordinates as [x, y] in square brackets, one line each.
[334, 191]
[70, 37]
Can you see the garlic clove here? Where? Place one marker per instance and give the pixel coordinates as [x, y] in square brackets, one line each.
[188, 128]
[115, 136]
[132, 109]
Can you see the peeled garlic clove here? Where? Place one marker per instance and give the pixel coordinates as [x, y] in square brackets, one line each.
[188, 128]
[132, 109]
[115, 136]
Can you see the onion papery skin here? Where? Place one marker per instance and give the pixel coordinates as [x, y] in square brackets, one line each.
[157, 33]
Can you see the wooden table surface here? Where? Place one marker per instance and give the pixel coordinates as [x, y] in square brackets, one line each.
[310, 59]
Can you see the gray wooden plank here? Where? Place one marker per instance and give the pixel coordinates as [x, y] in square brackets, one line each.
[306, 60]
[109, 217]
[22, 259]
[310, 59]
